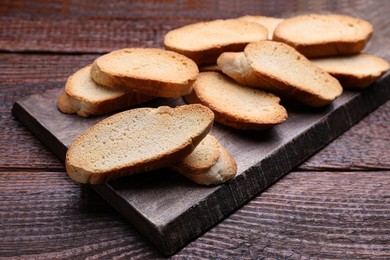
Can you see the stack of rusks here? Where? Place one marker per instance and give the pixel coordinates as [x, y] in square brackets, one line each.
[233, 71]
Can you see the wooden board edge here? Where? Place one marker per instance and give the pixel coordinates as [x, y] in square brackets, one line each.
[39, 130]
[337, 122]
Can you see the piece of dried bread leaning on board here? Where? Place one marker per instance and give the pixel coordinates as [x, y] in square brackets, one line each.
[137, 140]
[279, 68]
[85, 97]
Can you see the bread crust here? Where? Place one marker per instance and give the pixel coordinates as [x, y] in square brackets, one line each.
[235, 105]
[318, 35]
[149, 71]
[132, 142]
[213, 38]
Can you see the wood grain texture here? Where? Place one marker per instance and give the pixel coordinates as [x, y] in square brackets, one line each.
[365, 147]
[97, 27]
[60, 219]
[305, 215]
[20, 76]
[308, 214]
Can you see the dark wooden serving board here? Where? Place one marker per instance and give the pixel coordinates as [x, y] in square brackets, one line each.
[170, 210]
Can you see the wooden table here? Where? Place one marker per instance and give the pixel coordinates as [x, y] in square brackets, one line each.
[334, 205]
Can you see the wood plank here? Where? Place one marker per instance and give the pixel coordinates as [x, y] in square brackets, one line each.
[136, 10]
[96, 27]
[44, 215]
[171, 211]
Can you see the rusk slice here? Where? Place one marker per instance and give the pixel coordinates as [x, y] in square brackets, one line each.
[85, 97]
[354, 71]
[279, 68]
[223, 168]
[269, 23]
[204, 42]
[236, 105]
[202, 158]
[317, 35]
[149, 71]
[137, 140]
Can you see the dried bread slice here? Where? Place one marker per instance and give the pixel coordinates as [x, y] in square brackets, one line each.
[202, 158]
[135, 141]
[279, 68]
[269, 23]
[85, 97]
[354, 71]
[149, 71]
[236, 105]
[317, 35]
[203, 42]
[221, 168]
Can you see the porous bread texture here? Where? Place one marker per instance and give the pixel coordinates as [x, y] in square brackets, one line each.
[137, 140]
[149, 71]
[203, 42]
[236, 105]
[317, 35]
[85, 97]
[269, 23]
[354, 71]
[222, 171]
[279, 68]
[202, 158]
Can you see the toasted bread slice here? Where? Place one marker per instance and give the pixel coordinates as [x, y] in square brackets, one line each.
[149, 71]
[202, 158]
[354, 71]
[279, 68]
[85, 97]
[135, 141]
[269, 23]
[236, 105]
[318, 35]
[204, 42]
[223, 169]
